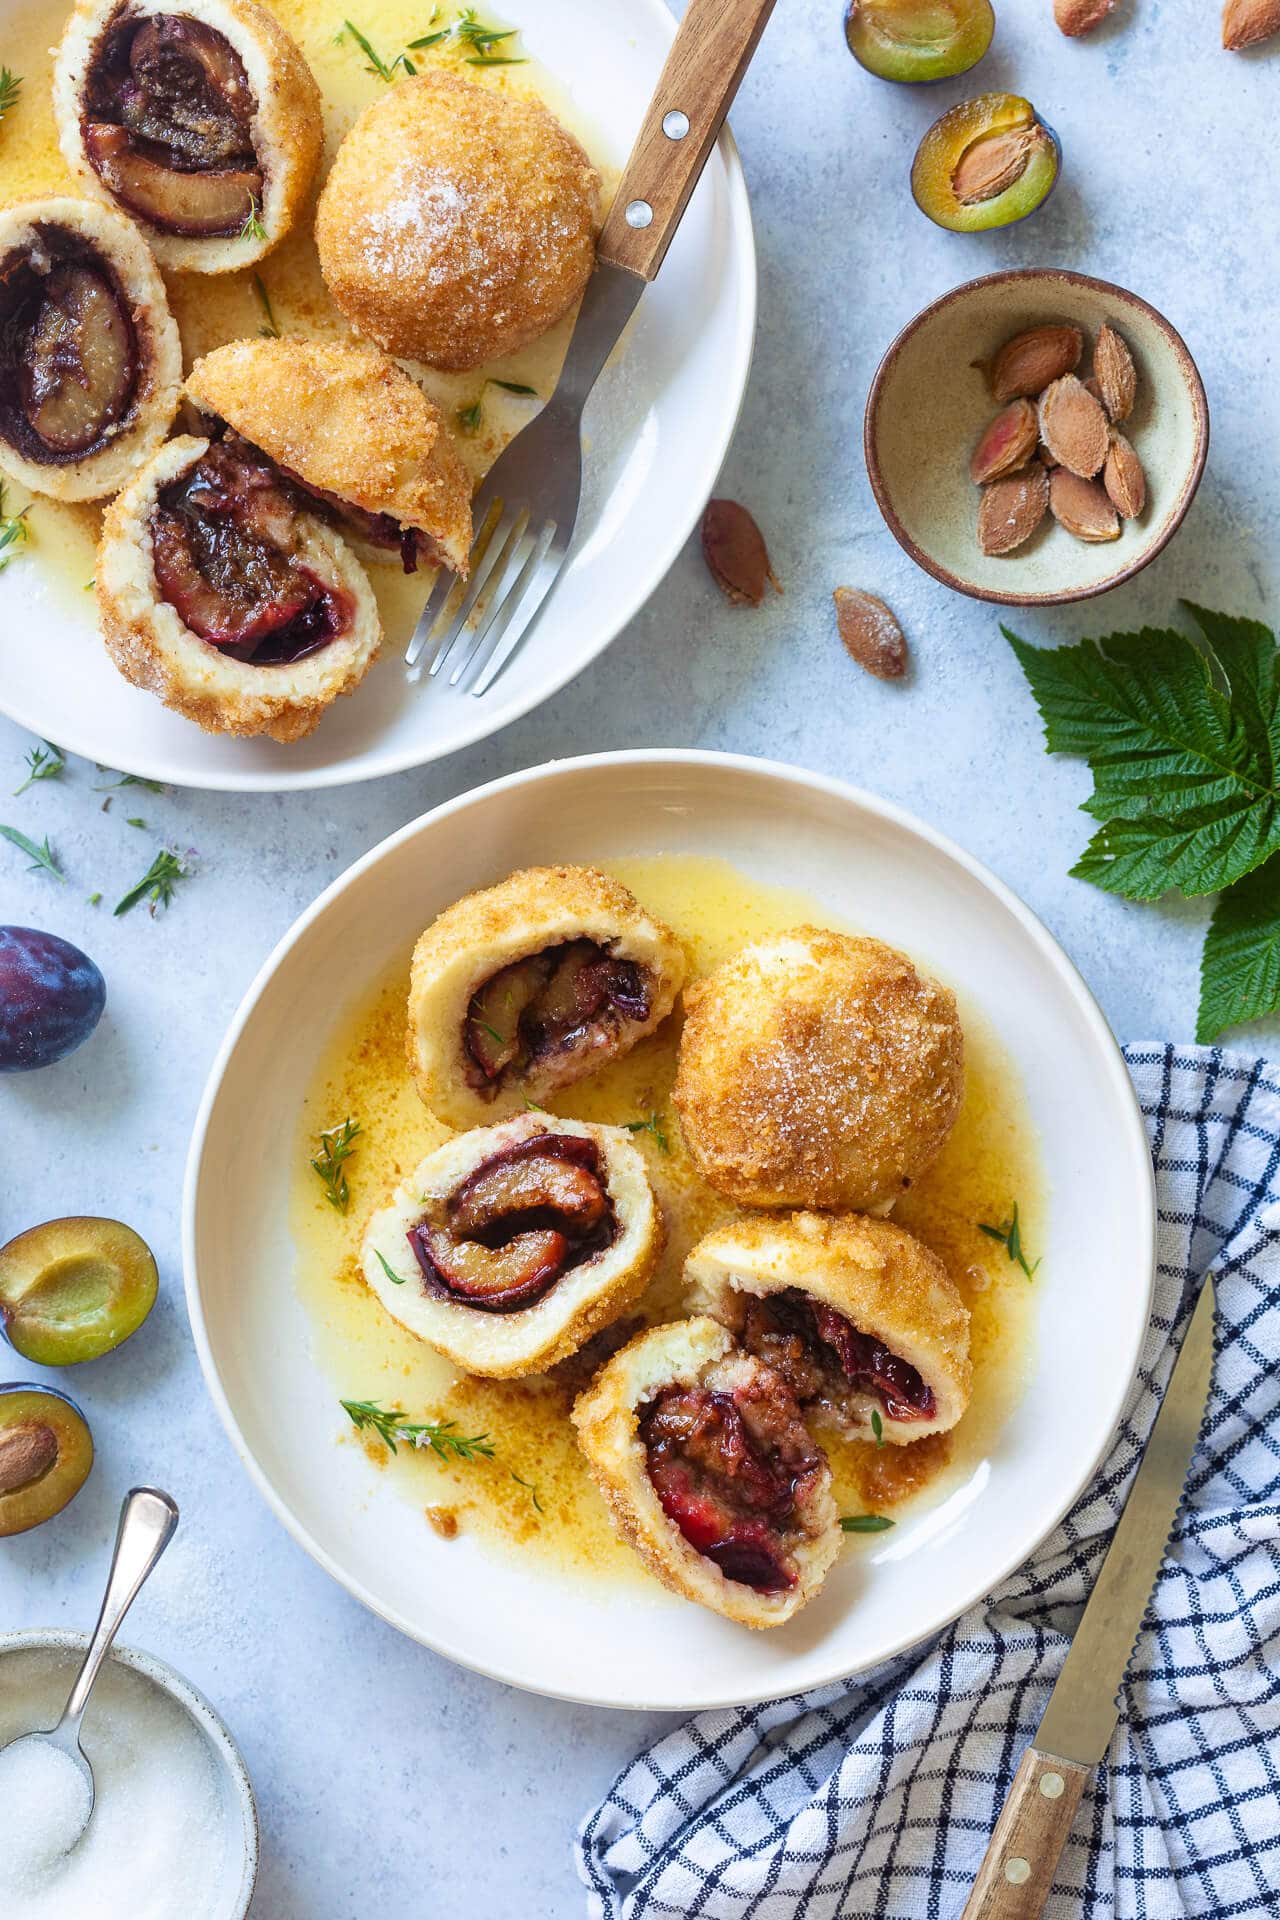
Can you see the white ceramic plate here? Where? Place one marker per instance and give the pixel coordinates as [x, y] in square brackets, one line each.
[657, 426]
[871, 865]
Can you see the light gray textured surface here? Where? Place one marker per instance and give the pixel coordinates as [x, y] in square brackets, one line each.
[389, 1782]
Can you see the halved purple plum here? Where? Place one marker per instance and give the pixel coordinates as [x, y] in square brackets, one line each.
[916, 40]
[985, 163]
[46, 1451]
[51, 998]
[73, 1289]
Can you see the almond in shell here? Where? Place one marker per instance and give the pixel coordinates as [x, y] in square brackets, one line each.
[1007, 444]
[871, 633]
[1082, 506]
[1012, 509]
[1247, 23]
[1073, 426]
[1125, 482]
[1114, 371]
[1027, 363]
[1080, 16]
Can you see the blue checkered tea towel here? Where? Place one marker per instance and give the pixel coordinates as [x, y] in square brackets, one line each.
[875, 1799]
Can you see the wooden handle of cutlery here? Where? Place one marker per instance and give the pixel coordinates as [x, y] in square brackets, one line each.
[1017, 1868]
[708, 58]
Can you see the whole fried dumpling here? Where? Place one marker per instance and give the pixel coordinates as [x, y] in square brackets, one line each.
[457, 224]
[347, 424]
[818, 1069]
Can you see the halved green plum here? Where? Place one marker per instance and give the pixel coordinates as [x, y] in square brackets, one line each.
[918, 39]
[72, 1289]
[46, 1451]
[986, 163]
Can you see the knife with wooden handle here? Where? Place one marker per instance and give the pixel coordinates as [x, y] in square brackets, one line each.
[1017, 1869]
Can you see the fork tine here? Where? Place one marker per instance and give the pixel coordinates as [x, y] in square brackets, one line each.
[485, 569]
[441, 587]
[523, 611]
[513, 586]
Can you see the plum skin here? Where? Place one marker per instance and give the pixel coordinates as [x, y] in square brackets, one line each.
[936, 159]
[40, 1411]
[918, 61]
[74, 1288]
[51, 998]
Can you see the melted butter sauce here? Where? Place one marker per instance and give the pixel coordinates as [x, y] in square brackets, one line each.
[211, 309]
[990, 1161]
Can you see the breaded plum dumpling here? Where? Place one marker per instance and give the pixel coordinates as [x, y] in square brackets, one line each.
[710, 1472]
[525, 987]
[818, 1069]
[856, 1315]
[457, 223]
[510, 1246]
[347, 428]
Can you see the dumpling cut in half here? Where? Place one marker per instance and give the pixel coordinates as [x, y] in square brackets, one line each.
[818, 1069]
[200, 118]
[219, 595]
[526, 987]
[510, 1246]
[856, 1315]
[90, 361]
[710, 1472]
[351, 432]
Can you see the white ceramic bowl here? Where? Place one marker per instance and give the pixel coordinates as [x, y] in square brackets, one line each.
[236, 1787]
[872, 866]
[657, 429]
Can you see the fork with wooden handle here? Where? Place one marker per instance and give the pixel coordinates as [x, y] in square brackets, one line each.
[527, 506]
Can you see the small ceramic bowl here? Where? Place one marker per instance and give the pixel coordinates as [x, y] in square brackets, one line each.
[929, 403]
[230, 1900]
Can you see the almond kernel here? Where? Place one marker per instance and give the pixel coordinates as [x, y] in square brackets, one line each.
[1082, 507]
[870, 633]
[1027, 363]
[1114, 371]
[734, 550]
[1007, 444]
[1246, 23]
[1073, 426]
[1124, 479]
[1079, 16]
[1012, 509]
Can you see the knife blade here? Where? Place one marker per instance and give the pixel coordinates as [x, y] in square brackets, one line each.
[1075, 1730]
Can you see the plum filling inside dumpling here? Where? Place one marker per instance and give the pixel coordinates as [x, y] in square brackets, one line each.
[69, 363]
[517, 1223]
[167, 125]
[732, 1471]
[558, 1005]
[224, 542]
[826, 1361]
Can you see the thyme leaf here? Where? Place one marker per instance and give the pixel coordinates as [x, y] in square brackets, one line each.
[865, 1523]
[1009, 1236]
[654, 1126]
[269, 330]
[157, 883]
[43, 858]
[377, 65]
[14, 531]
[253, 228]
[441, 1437]
[396, 1279]
[336, 1146]
[532, 1490]
[42, 766]
[877, 1426]
[10, 88]
[468, 418]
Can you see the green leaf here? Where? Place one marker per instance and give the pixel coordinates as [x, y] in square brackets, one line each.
[1184, 773]
[865, 1523]
[396, 1279]
[43, 858]
[1240, 968]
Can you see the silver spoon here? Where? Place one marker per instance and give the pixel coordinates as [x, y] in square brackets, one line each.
[147, 1522]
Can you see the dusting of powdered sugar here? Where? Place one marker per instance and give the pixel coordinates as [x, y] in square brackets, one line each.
[427, 228]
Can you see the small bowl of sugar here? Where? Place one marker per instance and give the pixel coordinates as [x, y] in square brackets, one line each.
[174, 1832]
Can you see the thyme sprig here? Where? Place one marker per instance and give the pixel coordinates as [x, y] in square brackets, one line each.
[440, 1437]
[1009, 1236]
[14, 531]
[337, 1144]
[10, 88]
[469, 418]
[653, 1124]
[253, 228]
[396, 1279]
[377, 65]
[158, 882]
[473, 34]
[129, 780]
[531, 1490]
[865, 1523]
[43, 859]
[42, 765]
[270, 328]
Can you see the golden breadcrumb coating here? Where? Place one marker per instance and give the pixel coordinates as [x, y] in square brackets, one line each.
[457, 224]
[287, 126]
[344, 418]
[818, 1069]
[880, 1277]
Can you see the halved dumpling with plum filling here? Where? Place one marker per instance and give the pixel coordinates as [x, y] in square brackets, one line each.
[862, 1321]
[710, 1472]
[218, 592]
[90, 360]
[520, 990]
[199, 118]
[509, 1247]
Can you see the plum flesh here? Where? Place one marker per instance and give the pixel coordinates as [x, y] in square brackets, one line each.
[560, 1009]
[822, 1356]
[73, 1289]
[46, 1451]
[51, 998]
[986, 163]
[69, 363]
[916, 40]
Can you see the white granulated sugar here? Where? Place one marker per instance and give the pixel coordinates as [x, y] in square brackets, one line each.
[164, 1841]
[426, 215]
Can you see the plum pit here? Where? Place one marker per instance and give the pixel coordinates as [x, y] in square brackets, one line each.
[46, 1451]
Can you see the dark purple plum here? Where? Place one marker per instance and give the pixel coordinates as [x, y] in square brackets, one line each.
[51, 998]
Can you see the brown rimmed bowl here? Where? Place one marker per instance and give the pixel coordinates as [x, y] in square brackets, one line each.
[929, 403]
